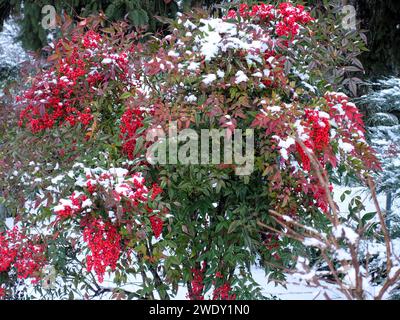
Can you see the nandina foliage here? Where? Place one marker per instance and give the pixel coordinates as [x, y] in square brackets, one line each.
[240, 72]
[109, 209]
[85, 68]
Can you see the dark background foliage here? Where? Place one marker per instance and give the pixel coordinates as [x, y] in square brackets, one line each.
[380, 18]
[138, 12]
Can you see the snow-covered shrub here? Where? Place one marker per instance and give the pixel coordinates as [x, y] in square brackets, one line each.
[384, 96]
[383, 119]
[11, 54]
[383, 107]
[355, 258]
[11, 51]
[82, 178]
[385, 140]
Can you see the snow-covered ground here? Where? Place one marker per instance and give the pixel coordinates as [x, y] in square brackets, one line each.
[292, 290]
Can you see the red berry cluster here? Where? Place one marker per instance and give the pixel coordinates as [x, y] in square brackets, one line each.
[131, 121]
[119, 185]
[133, 188]
[223, 293]
[129, 192]
[320, 196]
[155, 220]
[67, 208]
[114, 184]
[104, 243]
[7, 253]
[91, 40]
[304, 159]
[156, 225]
[197, 285]
[286, 18]
[156, 190]
[292, 18]
[80, 69]
[21, 253]
[318, 129]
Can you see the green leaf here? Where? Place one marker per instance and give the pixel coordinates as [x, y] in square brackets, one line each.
[234, 225]
[125, 95]
[368, 216]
